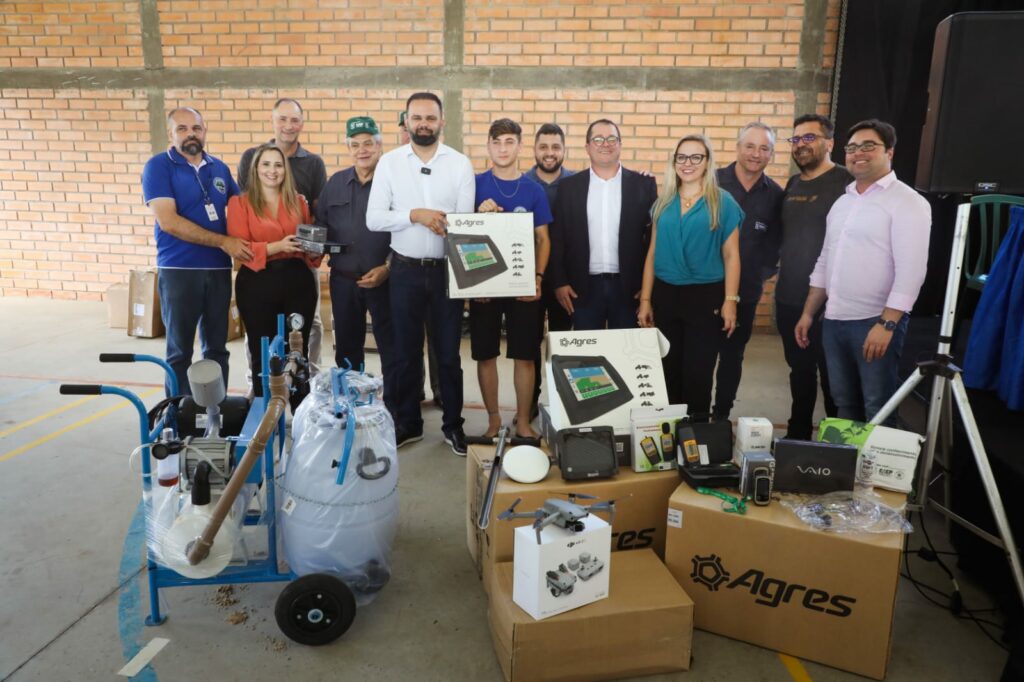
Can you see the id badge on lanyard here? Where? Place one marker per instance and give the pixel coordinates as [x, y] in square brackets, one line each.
[211, 212]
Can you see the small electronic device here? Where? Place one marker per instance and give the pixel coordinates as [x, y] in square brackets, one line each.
[689, 453]
[650, 449]
[588, 386]
[474, 259]
[587, 452]
[751, 463]
[313, 240]
[762, 486]
[811, 467]
[668, 441]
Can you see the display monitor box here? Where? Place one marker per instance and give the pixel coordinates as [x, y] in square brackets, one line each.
[769, 579]
[490, 255]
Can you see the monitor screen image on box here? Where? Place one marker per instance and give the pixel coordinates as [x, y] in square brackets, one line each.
[474, 259]
[588, 386]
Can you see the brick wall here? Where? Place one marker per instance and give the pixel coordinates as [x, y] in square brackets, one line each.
[82, 94]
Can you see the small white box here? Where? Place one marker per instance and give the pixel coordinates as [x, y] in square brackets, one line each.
[754, 434]
[652, 422]
[564, 571]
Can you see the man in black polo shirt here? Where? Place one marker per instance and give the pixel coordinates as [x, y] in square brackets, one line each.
[359, 277]
[760, 197]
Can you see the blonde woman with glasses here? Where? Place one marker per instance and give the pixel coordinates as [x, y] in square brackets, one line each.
[692, 272]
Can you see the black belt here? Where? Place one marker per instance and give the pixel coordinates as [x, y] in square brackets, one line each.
[606, 275]
[423, 262]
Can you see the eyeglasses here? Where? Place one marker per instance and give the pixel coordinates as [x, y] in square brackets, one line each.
[601, 141]
[809, 138]
[868, 146]
[365, 144]
[692, 159]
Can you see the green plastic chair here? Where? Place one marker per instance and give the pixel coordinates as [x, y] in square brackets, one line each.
[990, 213]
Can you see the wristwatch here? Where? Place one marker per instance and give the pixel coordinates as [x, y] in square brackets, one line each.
[890, 325]
[733, 298]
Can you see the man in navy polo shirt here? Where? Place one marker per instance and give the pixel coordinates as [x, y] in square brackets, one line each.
[187, 190]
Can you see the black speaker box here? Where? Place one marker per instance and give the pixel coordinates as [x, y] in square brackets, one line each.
[972, 132]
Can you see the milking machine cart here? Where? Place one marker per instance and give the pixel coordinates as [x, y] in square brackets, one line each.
[226, 496]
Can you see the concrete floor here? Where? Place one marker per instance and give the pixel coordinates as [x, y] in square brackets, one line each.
[72, 599]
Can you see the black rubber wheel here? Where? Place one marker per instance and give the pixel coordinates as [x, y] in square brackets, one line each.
[554, 592]
[315, 609]
[569, 591]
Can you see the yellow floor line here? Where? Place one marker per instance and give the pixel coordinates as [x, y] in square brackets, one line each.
[51, 413]
[70, 427]
[796, 668]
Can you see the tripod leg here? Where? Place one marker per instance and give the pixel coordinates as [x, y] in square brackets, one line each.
[898, 397]
[936, 407]
[988, 480]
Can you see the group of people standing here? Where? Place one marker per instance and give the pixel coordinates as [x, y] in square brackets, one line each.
[612, 251]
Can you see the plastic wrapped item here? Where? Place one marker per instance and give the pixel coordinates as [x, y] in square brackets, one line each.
[339, 515]
[849, 512]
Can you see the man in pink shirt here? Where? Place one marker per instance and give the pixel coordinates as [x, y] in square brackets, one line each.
[868, 275]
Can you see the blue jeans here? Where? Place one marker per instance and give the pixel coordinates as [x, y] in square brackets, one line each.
[349, 304]
[419, 294]
[190, 299]
[604, 305]
[861, 388]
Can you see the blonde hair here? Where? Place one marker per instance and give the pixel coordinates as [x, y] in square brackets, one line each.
[289, 196]
[671, 182]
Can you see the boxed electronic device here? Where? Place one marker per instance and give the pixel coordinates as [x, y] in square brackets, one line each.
[754, 434]
[757, 475]
[144, 319]
[639, 523]
[562, 569]
[644, 627]
[886, 457]
[769, 579]
[586, 453]
[653, 433]
[803, 466]
[490, 255]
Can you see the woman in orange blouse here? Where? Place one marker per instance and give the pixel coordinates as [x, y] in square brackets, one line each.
[278, 278]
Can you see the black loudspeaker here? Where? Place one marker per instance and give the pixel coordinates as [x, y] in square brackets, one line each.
[973, 134]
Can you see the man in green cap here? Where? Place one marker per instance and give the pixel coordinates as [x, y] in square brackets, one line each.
[359, 276]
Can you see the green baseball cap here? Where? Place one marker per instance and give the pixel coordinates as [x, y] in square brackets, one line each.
[401, 119]
[361, 124]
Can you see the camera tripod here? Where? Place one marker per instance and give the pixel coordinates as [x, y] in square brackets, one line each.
[948, 386]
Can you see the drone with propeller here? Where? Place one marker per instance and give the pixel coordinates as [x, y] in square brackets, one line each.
[565, 514]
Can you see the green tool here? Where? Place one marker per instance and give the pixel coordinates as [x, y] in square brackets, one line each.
[730, 503]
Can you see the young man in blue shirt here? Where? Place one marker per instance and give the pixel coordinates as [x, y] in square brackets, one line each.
[504, 188]
[187, 191]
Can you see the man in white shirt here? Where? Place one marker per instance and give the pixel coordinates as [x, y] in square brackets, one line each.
[414, 188]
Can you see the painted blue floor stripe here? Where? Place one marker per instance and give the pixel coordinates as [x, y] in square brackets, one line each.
[130, 607]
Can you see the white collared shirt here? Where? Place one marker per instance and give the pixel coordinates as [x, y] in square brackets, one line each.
[604, 212]
[400, 185]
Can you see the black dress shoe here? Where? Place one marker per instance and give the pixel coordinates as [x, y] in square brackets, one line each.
[456, 438]
[404, 435]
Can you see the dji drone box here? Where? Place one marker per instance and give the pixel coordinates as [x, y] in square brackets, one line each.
[490, 255]
[754, 434]
[565, 570]
[886, 457]
[654, 437]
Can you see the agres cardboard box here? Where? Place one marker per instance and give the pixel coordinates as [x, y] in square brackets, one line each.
[641, 501]
[769, 579]
[644, 627]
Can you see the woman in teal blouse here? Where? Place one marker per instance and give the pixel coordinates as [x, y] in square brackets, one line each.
[692, 272]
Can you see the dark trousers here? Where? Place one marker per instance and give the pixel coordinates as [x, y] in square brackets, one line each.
[730, 360]
[806, 365]
[558, 321]
[418, 297]
[349, 303]
[688, 317]
[283, 287]
[190, 299]
[604, 304]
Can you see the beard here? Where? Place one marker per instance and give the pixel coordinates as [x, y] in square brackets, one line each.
[424, 139]
[808, 162]
[192, 146]
[552, 168]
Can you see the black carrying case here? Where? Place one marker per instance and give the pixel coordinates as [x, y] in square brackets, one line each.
[716, 438]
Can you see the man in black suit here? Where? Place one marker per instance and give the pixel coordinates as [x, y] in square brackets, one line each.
[599, 237]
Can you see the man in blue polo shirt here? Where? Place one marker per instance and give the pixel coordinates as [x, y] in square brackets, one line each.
[187, 190]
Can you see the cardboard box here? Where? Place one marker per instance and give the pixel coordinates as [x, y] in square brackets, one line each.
[144, 319]
[490, 255]
[644, 627]
[769, 579]
[649, 422]
[564, 571]
[639, 520]
[886, 457]
[117, 306]
[754, 434]
[235, 328]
